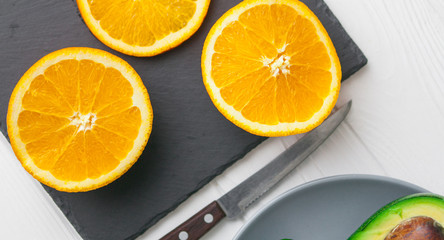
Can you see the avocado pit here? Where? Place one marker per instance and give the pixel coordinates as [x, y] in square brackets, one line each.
[417, 228]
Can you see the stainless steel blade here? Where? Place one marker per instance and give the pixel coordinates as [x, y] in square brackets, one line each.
[238, 199]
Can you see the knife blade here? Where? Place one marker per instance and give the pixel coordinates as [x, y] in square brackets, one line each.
[236, 201]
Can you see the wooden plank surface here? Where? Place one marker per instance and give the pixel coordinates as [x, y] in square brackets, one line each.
[394, 128]
[191, 141]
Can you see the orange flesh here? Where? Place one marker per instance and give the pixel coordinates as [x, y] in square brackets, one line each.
[78, 120]
[272, 66]
[142, 22]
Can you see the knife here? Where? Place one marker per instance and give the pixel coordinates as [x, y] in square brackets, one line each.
[235, 202]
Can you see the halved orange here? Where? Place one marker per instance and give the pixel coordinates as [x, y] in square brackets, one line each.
[270, 67]
[143, 27]
[79, 118]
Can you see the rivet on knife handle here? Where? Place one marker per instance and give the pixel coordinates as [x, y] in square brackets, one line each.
[234, 202]
[197, 225]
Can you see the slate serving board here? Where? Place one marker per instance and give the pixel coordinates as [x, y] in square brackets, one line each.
[191, 142]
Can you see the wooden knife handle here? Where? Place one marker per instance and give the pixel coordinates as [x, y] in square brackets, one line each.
[197, 225]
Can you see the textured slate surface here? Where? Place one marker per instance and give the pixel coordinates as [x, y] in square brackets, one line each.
[191, 142]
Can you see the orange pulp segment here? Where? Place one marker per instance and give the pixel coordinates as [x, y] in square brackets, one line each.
[79, 118]
[270, 67]
[143, 27]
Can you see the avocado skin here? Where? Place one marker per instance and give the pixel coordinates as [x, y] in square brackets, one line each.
[358, 234]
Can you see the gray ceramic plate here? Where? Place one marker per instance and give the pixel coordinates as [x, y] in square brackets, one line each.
[329, 208]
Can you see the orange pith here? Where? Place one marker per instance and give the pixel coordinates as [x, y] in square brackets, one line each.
[143, 27]
[76, 122]
[270, 67]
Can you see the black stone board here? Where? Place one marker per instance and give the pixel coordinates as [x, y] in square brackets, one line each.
[191, 141]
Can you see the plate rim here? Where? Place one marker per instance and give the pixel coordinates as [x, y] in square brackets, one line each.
[321, 181]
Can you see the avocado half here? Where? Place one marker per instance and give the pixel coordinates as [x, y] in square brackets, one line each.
[417, 216]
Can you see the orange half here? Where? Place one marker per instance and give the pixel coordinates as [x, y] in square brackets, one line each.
[143, 27]
[79, 118]
[270, 67]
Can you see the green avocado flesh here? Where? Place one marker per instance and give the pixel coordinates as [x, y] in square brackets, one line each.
[380, 224]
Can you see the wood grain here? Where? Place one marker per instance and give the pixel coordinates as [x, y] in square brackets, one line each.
[394, 128]
[198, 225]
[27, 210]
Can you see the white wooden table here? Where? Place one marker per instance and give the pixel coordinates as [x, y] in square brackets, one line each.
[395, 127]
